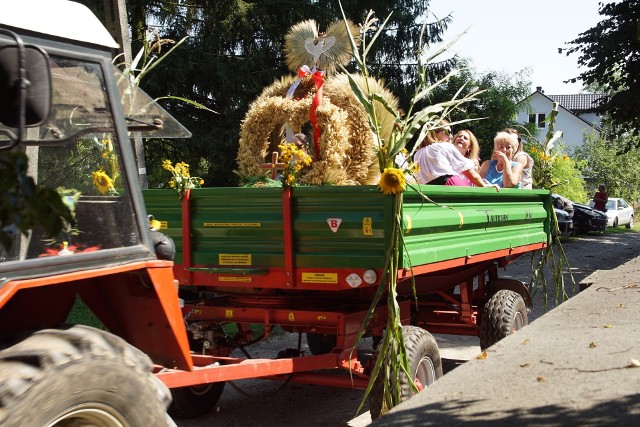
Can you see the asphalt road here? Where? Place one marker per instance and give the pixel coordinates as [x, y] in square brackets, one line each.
[267, 403]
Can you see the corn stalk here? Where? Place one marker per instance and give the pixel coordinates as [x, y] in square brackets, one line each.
[415, 123]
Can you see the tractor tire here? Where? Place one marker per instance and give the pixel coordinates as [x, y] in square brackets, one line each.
[320, 343]
[191, 402]
[425, 365]
[79, 376]
[502, 315]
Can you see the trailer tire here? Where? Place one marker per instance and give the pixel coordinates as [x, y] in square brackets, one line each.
[320, 343]
[191, 402]
[424, 362]
[79, 376]
[503, 314]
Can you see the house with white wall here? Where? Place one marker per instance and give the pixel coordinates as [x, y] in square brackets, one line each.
[575, 116]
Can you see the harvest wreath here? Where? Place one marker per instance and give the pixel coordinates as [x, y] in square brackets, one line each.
[344, 149]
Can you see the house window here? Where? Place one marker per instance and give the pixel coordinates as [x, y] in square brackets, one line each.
[538, 119]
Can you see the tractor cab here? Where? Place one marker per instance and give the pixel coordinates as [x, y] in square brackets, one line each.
[66, 119]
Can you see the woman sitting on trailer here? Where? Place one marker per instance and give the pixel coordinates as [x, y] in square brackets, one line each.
[502, 170]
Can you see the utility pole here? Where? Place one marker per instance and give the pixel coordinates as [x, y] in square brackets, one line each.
[115, 12]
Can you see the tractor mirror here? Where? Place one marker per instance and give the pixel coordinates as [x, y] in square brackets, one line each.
[35, 72]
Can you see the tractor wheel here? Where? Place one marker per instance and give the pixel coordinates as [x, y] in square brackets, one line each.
[424, 363]
[191, 402]
[79, 376]
[502, 315]
[320, 343]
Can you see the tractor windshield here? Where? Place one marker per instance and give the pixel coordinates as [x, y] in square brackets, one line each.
[80, 106]
[76, 151]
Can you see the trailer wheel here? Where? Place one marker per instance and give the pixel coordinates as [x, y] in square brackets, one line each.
[191, 402]
[79, 376]
[320, 343]
[425, 365]
[502, 315]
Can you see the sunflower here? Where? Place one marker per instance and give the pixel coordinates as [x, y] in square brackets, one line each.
[392, 181]
[102, 181]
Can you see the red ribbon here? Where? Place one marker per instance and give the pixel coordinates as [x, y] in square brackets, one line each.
[318, 79]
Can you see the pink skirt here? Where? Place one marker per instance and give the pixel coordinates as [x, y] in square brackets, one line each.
[459, 181]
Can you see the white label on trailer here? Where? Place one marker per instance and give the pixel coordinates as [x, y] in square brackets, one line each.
[354, 280]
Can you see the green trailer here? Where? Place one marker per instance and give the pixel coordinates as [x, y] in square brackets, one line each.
[309, 259]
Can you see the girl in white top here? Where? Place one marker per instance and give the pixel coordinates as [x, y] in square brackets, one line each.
[441, 163]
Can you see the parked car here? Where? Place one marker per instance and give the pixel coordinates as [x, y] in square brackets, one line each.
[619, 212]
[565, 223]
[585, 218]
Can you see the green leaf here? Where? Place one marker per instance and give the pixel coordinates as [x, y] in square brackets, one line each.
[361, 96]
[187, 101]
[375, 36]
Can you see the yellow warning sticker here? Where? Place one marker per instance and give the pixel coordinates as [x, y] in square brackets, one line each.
[164, 225]
[319, 278]
[231, 224]
[243, 279]
[367, 226]
[291, 317]
[234, 259]
[228, 313]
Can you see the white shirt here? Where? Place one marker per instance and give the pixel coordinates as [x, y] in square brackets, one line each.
[527, 179]
[438, 159]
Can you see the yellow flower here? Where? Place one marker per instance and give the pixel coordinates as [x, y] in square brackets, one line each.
[181, 179]
[392, 181]
[167, 165]
[295, 159]
[102, 181]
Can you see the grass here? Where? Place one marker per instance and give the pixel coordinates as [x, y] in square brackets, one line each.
[80, 314]
[622, 229]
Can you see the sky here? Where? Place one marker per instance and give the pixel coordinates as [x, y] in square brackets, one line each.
[511, 35]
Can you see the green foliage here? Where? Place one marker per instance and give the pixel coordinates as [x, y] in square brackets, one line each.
[26, 205]
[611, 53]
[553, 169]
[235, 49]
[571, 184]
[602, 163]
[557, 172]
[497, 105]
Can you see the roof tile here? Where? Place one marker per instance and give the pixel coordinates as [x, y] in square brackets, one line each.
[579, 103]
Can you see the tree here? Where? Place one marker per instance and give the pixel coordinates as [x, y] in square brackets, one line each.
[611, 52]
[235, 49]
[497, 106]
[602, 164]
